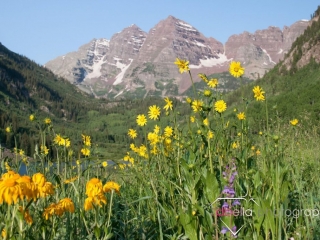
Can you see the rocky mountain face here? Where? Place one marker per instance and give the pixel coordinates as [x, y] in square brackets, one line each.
[102, 62]
[134, 63]
[307, 47]
[263, 49]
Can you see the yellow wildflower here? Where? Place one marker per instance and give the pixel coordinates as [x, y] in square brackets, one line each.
[154, 112]
[168, 105]
[294, 122]
[207, 93]
[71, 179]
[206, 122]
[26, 215]
[67, 205]
[235, 145]
[213, 82]
[258, 93]
[141, 120]
[44, 150]
[168, 131]
[86, 140]
[210, 134]
[47, 121]
[132, 133]
[236, 69]
[183, 65]
[220, 106]
[241, 116]
[10, 190]
[197, 105]
[109, 186]
[203, 77]
[31, 117]
[85, 151]
[156, 129]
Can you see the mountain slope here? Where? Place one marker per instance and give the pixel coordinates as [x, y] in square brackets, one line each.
[101, 63]
[291, 87]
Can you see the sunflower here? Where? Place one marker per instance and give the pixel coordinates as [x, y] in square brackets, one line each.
[197, 105]
[85, 151]
[153, 138]
[109, 186]
[46, 190]
[93, 187]
[53, 209]
[213, 82]
[203, 77]
[156, 129]
[210, 134]
[86, 140]
[294, 122]
[235, 145]
[104, 164]
[207, 93]
[258, 93]
[236, 69]
[31, 117]
[47, 121]
[206, 122]
[132, 133]
[10, 190]
[57, 139]
[67, 205]
[88, 203]
[28, 188]
[26, 215]
[220, 106]
[141, 120]
[168, 105]
[168, 131]
[71, 179]
[44, 150]
[154, 112]
[183, 65]
[94, 191]
[241, 116]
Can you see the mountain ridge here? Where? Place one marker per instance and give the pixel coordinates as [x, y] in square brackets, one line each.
[144, 65]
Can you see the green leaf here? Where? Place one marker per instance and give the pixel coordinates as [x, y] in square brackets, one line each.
[211, 188]
[188, 222]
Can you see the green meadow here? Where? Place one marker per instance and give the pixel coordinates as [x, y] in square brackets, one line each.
[215, 165]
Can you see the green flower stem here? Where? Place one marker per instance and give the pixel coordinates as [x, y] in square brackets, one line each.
[210, 157]
[110, 208]
[194, 89]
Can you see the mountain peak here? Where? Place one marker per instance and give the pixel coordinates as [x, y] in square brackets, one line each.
[133, 59]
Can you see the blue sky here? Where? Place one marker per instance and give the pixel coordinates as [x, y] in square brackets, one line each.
[45, 29]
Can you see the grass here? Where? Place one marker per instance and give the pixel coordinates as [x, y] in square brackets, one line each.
[177, 181]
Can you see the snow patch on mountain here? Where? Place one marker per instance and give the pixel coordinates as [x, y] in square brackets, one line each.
[265, 51]
[280, 51]
[210, 62]
[96, 70]
[123, 68]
